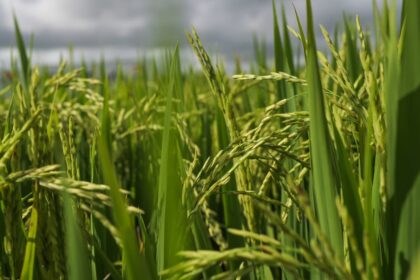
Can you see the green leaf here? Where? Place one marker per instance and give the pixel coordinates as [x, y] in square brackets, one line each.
[325, 184]
[30, 250]
[76, 249]
[404, 126]
[134, 262]
[24, 61]
[278, 54]
[173, 233]
[415, 269]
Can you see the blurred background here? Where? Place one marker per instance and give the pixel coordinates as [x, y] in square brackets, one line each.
[130, 29]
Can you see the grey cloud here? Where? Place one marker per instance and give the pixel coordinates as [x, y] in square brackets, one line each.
[224, 25]
[96, 22]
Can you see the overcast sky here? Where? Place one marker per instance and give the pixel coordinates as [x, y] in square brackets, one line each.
[121, 26]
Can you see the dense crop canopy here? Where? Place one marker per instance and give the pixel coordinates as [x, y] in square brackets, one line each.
[306, 169]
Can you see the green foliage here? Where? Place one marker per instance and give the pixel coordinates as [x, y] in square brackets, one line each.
[292, 171]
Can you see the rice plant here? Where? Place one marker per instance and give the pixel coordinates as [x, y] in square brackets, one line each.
[287, 170]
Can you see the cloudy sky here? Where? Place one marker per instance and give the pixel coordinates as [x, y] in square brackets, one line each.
[123, 28]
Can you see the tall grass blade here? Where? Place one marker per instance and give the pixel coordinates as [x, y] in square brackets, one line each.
[404, 193]
[30, 250]
[324, 179]
[134, 261]
[173, 232]
[24, 61]
[77, 259]
[278, 53]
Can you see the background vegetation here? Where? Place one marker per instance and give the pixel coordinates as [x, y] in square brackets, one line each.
[298, 170]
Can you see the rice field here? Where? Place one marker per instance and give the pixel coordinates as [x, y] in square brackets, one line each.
[285, 170]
